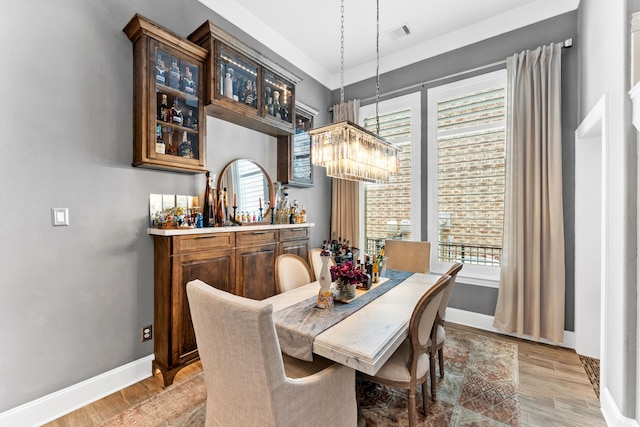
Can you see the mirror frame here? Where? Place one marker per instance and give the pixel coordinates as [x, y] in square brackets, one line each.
[269, 183]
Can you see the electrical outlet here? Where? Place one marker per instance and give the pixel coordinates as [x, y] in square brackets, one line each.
[147, 333]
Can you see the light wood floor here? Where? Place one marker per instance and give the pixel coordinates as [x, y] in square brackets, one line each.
[554, 390]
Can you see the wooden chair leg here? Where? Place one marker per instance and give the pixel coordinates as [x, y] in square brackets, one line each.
[411, 401]
[441, 362]
[432, 374]
[425, 403]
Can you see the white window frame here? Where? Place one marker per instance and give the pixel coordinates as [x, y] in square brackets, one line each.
[472, 274]
[413, 101]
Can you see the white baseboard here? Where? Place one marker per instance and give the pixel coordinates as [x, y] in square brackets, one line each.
[61, 402]
[485, 322]
[611, 413]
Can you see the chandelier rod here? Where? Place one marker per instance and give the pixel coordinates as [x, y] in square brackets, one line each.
[377, 65]
[342, 52]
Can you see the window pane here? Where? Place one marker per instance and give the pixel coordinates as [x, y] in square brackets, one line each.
[471, 177]
[388, 206]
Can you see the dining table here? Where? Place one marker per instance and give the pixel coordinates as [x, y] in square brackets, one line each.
[363, 339]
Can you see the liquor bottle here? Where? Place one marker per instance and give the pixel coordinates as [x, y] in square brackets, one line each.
[228, 84]
[169, 146]
[160, 147]
[208, 203]
[225, 207]
[188, 85]
[194, 121]
[270, 109]
[174, 75]
[185, 147]
[219, 215]
[176, 112]
[163, 108]
[267, 99]
[374, 269]
[292, 215]
[188, 119]
[161, 71]
[276, 104]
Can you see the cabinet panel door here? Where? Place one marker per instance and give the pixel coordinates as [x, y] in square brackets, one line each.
[214, 268]
[255, 276]
[296, 247]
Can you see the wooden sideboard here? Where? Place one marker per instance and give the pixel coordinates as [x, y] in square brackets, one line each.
[239, 260]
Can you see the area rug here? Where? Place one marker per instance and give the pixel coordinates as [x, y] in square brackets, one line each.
[480, 389]
[592, 368]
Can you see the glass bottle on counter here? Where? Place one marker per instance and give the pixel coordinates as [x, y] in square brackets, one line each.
[208, 220]
[374, 269]
[219, 215]
[160, 147]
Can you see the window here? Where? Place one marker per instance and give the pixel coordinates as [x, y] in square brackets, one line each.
[392, 210]
[466, 165]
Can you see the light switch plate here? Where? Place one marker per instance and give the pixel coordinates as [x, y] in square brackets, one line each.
[60, 216]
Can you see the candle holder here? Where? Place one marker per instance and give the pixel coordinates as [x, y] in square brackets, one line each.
[234, 220]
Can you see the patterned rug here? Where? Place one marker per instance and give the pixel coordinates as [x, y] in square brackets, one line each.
[592, 368]
[480, 389]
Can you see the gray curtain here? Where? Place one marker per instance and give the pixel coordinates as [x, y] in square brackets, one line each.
[345, 201]
[532, 279]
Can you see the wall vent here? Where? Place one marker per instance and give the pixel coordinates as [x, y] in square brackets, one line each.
[399, 32]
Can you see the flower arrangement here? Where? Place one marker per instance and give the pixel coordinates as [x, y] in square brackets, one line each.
[347, 273]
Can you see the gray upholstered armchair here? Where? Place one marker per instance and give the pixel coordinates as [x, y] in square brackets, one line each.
[248, 380]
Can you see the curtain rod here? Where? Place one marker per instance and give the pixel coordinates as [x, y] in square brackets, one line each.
[568, 43]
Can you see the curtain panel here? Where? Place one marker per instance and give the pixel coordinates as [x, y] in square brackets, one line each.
[531, 297]
[345, 198]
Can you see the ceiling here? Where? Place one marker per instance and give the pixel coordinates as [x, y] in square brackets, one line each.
[307, 33]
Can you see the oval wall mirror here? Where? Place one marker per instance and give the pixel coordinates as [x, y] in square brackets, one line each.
[249, 184]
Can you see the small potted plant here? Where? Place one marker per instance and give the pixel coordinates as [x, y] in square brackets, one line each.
[347, 277]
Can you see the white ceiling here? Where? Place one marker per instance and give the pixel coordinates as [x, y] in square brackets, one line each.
[307, 33]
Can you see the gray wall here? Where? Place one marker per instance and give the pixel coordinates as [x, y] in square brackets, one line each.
[475, 298]
[604, 33]
[73, 299]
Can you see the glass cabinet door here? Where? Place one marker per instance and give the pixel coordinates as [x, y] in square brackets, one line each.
[301, 168]
[177, 106]
[237, 77]
[277, 97]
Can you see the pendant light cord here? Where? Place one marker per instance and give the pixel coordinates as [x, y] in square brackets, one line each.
[377, 65]
[342, 52]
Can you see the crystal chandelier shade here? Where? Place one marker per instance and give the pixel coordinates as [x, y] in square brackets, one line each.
[349, 151]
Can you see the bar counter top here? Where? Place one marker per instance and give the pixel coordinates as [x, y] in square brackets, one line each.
[233, 229]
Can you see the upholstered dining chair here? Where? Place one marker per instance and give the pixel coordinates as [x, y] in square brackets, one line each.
[249, 381]
[438, 334]
[316, 262]
[291, 272]
[409, 365]
[407, 255]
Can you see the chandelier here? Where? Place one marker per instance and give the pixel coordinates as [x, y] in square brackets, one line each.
[349, 151]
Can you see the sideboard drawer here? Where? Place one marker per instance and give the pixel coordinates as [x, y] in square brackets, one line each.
[203, 242]
[294, 233]
[257, 237]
